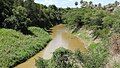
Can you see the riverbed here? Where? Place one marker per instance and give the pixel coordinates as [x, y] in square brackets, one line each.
[61, 37]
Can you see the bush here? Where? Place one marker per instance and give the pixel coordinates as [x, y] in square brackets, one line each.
[96, 58]
[62, 58]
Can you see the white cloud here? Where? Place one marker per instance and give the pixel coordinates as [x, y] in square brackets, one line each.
[48, 2]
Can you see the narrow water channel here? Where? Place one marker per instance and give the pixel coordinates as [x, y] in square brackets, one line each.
[60, 38]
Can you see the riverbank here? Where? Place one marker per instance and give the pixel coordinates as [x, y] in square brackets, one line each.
[60, 38]
[86, 36]
[16, 47]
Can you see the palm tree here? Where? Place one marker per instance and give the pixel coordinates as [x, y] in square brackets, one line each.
[86, 4]
[76, 3]
[90, 4]
[116, 3]
[81, 2]
[95, 6]
[99, 5]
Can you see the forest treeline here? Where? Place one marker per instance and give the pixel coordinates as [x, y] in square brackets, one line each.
[19, 14]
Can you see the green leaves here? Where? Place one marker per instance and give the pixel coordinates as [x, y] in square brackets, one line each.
[18, 20]
[96, 57]
[19, 11]
[62, 58]
[16, 47]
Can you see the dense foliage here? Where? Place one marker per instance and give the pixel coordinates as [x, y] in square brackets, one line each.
[63, 58]
[19, 14]
[16, 47]
[102, 21]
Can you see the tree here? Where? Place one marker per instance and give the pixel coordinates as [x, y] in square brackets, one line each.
[18, 20]
[90, 4]
[116, 3]
[76, 3]
[95, 5]
[81, 2]
[85, 4]
[99, 5]
[18, 3]
[5, 10]
[34, 13]
[53, 7]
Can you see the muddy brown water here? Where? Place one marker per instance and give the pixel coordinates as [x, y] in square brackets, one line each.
[60, 38]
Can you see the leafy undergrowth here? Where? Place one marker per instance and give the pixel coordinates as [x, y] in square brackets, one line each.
[63, 58]
[16, 47]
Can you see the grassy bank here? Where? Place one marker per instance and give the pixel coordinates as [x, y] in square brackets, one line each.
[16, 47]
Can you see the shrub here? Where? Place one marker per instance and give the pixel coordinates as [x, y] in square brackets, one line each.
[62, 58]
[96, 58]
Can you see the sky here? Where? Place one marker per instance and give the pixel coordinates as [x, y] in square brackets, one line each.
[70, 3]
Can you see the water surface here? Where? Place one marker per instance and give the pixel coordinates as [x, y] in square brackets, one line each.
[60, 38]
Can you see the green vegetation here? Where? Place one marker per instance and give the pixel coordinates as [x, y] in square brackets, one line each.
[16, 47]
[63, 58]
[102, 21]
[20, 14]
[97, 57]
[22, 33]
[89, 18]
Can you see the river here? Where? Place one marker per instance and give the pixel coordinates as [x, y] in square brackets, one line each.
[61, 37]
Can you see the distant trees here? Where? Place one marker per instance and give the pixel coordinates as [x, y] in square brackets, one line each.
[109, 7]
[86, 4]
[81, 2]
[99, 5]
[91, 4]
[116, 3]
[76, 3]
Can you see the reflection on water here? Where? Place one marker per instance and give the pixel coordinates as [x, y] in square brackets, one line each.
[74, 42]
[61, 38]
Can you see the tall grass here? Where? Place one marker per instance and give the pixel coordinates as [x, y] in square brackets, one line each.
[16, 47]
